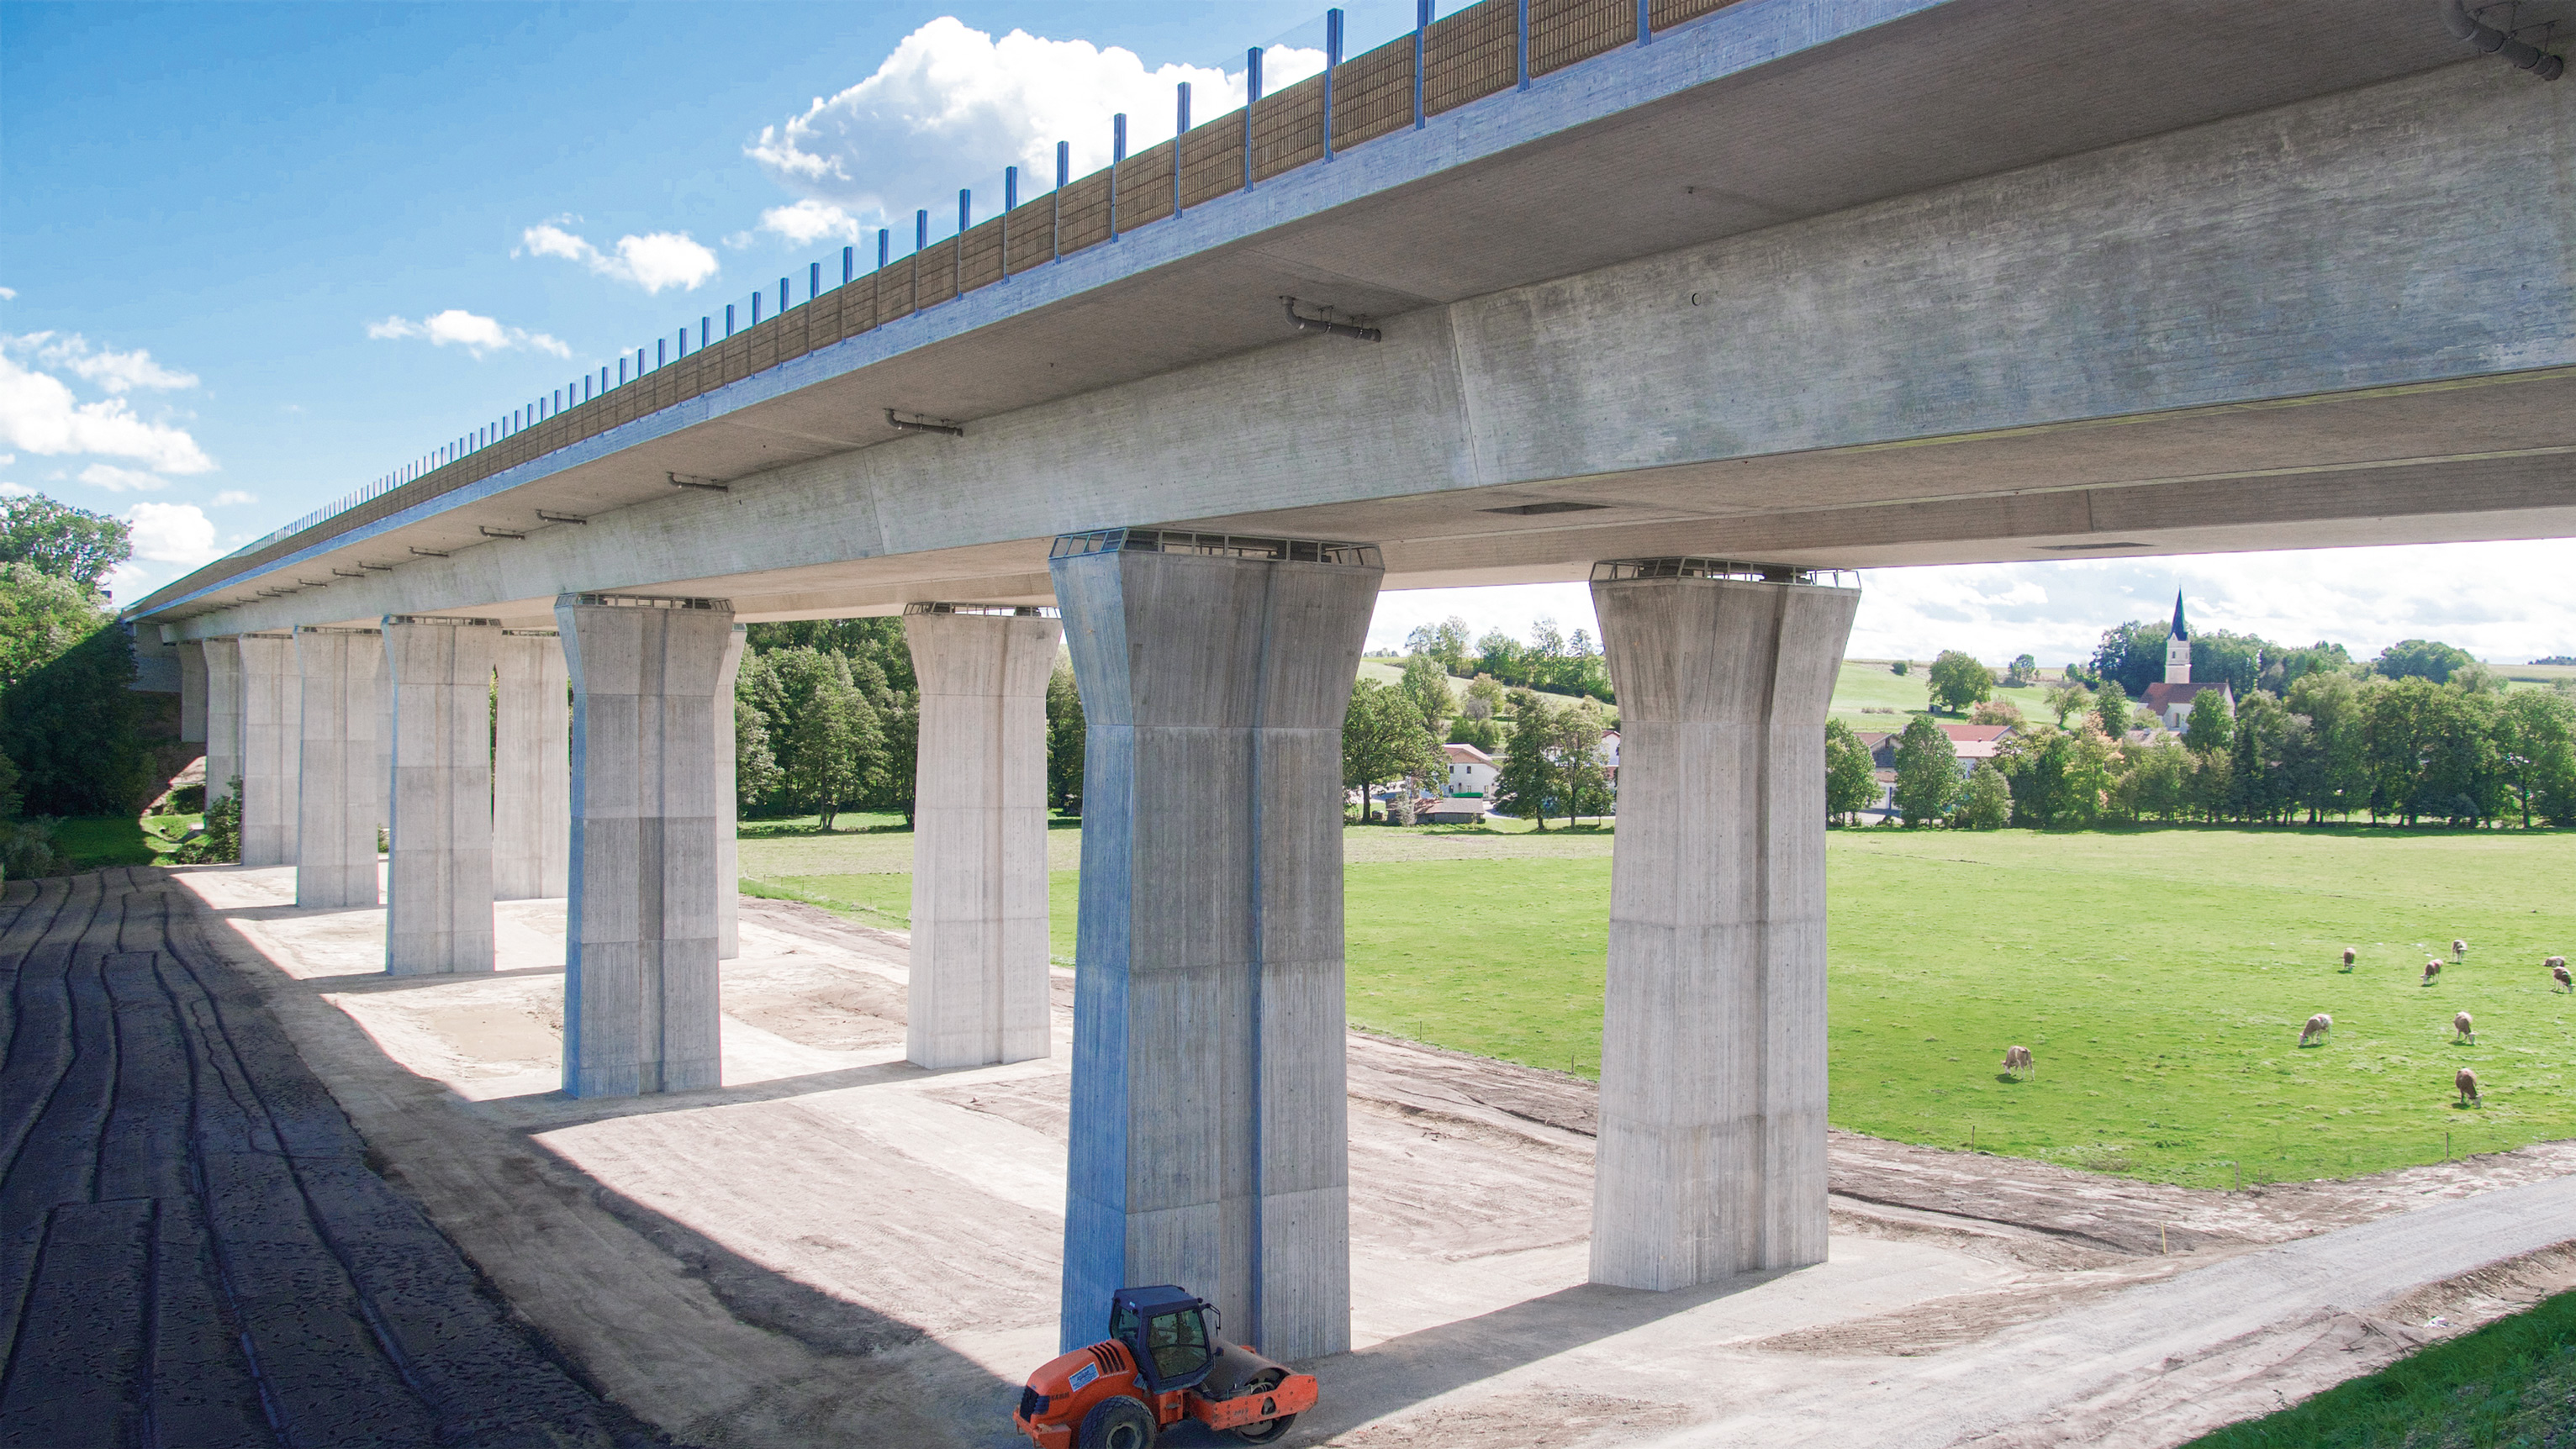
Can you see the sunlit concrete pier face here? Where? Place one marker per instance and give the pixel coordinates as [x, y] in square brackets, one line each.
[1712, 1147]
[438, 891]
[640, 961]
[1209, 1138]
[978, 990]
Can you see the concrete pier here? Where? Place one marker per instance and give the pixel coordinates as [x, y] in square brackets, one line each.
[1712, 1147]
[438, 884]
[728, 807]
[272, 738]
[531, 767]
[1209, 1136]
[335, 842]
[192, 691]
[978, 990]
[223, 716]
[640, 959]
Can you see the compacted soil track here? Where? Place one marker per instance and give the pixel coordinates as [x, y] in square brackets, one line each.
[193, 1248]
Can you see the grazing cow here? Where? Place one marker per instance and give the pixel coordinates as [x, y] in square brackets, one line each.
[2462, 1027]
[2467, 1082]
[2431, 970]
[2348, 955]
[2017, 1059]
[2318, 1025]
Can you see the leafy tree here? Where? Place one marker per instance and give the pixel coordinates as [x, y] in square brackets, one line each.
[219, 841]
[1581, 770]
[41, 616]
[1987, 802]
[1484, 698]
[1851, 777]
[1899, 667]
[1383, 740]
[2209, 727]
[74, 729]
[1067, 737]
[756, 775]
[2111, 708]
[2024, 669]
[2157, 782]
[2537, 745]
[1927, 771]
[836, 746]
[2332, 769]
[1485, 734]
[1554, 765]
[2060, 778]
[2069, 699]
[1426, 683]
[900, 772]
[1445, 642]
[58, 539]
[2235, 660]
[1959, 681]
[1997, 711]
[876, 641]
[2420, 659]
[2132, 654]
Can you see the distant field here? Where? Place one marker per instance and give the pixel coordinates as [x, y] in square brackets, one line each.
[2160, 976]
[1868, 694]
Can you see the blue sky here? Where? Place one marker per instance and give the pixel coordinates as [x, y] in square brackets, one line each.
[253, 256]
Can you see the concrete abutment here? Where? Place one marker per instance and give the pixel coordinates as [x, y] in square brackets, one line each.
[1209, 1131]
[640, 985]
[978, 992]
[1712, 1143]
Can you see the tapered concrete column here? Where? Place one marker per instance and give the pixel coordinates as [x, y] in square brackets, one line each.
[192, 692]
[223, 716]
[335, 842]
[1712, 1149]
[531, 768]
[272, 736]
[1209, 1142]
[438, 885]
[640, 968]
[978, 990]
[728, 809]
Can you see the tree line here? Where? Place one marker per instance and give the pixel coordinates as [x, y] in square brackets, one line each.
[1548, 660]
[72, 735]
[2389, 740]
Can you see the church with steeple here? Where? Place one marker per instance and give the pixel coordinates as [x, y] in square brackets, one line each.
[2172, 699]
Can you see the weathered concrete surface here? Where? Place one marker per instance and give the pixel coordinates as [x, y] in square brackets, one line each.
[272, 736]
[1209, 1142]
[531, 767]
[223, 716]
[335, 843]
[438, 884]
[1713, 1041]
[192, 691]
[979, 875]
[728, 803]
[839, 1248]
[640, 989]
[194, 1252]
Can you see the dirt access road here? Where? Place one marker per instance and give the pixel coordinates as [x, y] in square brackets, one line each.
[839, 1248]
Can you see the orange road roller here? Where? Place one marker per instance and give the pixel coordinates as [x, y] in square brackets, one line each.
[1161, 1363]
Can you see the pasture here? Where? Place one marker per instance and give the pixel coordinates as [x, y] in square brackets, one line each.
[2159, 976]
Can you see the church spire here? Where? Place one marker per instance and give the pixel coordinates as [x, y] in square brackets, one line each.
[2180, 629]
[2178, 647]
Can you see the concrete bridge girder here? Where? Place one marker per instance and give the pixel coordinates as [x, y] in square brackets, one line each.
[2286, 303]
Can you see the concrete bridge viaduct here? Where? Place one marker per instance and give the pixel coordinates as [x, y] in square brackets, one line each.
[1775, 287]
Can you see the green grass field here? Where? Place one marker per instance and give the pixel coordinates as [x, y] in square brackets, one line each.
[1869, 695]
[2510, 1385]
[2160, 976]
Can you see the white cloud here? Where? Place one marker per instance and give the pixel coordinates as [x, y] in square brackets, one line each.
[8, 294]
[654, 261]
[232, 496]
[953, 106]
[39, 414]
[177, 533]
[810, 221]
[476, 334]
[122, 480]
[15, 490]
[110, 369]
[2503, 602]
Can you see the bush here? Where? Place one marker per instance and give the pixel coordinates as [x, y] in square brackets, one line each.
[187, 800]
[220, 842]
[28, 850]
